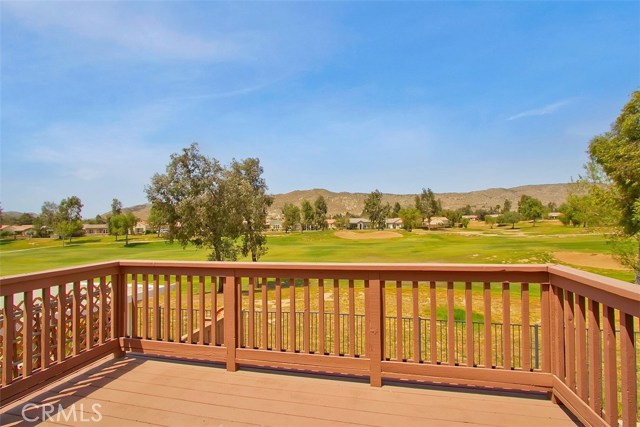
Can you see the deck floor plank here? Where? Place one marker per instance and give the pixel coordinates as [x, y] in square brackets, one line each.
[139, 391]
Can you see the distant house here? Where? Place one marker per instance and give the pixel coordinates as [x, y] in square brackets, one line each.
[331, 224]
[95, 229]
[554, 215]
[436, 222]
[393, 223]
[19, 230]
[359, 224]
[470, 217]
[141, 227]
[274, 224]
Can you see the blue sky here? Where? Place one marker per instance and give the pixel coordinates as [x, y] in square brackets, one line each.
[348, 96]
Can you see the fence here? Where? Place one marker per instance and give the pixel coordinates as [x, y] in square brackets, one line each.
[534, 327]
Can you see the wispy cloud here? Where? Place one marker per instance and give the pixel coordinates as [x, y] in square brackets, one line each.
[543, 111]
[113, 25]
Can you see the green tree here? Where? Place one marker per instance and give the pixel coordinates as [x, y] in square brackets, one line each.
[291, 216]
[375, 210]
[411, 218]
[509, 217]
[68, 219]
[320, 212]
[307, 215]
[116, 207]
[618, 152]
[156, 219]
[428, 206]
[490, 220]
[200, 202]
[252, 202]
[122, 224]
[530, 208]
[454, 216]
[395, 212]
[506, 207]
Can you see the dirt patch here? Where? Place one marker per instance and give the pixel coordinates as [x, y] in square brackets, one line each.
[350, 235]
[589, 260]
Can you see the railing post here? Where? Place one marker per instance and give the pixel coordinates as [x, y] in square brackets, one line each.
[374, 329]
[230, 322]
[629, 389]
[545, 312]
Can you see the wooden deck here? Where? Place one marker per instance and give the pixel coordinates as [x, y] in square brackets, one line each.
[136, 391]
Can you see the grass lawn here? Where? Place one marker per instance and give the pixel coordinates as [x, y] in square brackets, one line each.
[477, 244]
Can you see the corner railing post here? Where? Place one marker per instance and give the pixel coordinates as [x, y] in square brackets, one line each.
[230, 322]
[374, 327]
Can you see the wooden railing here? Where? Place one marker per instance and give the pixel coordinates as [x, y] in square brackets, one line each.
[527, 327]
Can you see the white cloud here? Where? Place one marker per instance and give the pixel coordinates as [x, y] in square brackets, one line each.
[543, 111]
[113, 25]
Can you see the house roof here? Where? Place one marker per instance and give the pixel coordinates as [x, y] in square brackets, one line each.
[393, 221]
[18, 228]
[358, 220]
[95, 226]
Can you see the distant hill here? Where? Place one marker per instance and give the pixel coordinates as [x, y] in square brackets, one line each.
[340, 203]
[354, 202]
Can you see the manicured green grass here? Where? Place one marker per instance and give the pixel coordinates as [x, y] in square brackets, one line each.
[477, 244]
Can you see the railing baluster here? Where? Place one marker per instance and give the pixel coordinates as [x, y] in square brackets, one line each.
[89, 314]
[628, 370]
[278, 314]
[581, 334]
[306, 318]
[545, 312]
[201, 299]
[8, 334]
[526, 328]
[610, 372]
[62, 308]
[214, 310]
[251, 320]
[75, 318]
[155, 279]
[292, 315]
[451, 325]
[177, 336]
[166, 330]
[469, 323]
[102, 311]
[321, 337]
[433, 323]
[27, 334]
[399, 341]
[240, 324]
[595, 358]
[336, 317]
[264, 290]
[352, 319]
[570, 341]
[416, 322]
[190, 309]
[45, 334]
[145, 307]
[488, 349]
[506, 325]
[374, 325]
[383, 311]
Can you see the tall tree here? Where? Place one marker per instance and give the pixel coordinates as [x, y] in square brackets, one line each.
[68, 218]
[395, 212]
[196, 200]
[291, 216]
[618, 152]
[506, 206]
[307, 215]
[427, 204]
[509, 217]
[530, 208]
[123, 224]
[249, 189]
[116, 207]
[411, 218]
[375, 210]
[320, 212]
